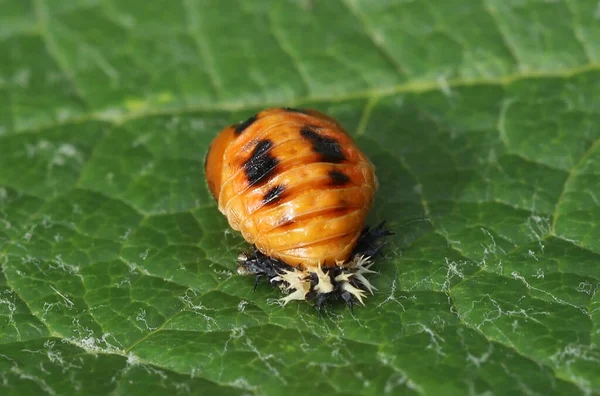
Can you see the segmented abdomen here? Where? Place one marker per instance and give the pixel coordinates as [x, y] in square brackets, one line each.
[297, 187]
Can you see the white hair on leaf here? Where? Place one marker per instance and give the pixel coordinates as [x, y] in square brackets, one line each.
[324, 284]
[363, 265]
[297, 282]
[359, 294]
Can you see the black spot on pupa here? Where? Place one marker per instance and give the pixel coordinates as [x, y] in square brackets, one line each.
[274, 195]
[338, 178]
[239, 127]
[328, 148]
[261, 165]
[294, 110]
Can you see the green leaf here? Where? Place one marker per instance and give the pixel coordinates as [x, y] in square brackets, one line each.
[118, 272]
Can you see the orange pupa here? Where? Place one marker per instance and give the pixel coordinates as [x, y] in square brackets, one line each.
[298, 188]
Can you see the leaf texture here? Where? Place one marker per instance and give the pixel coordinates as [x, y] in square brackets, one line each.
[118, 272]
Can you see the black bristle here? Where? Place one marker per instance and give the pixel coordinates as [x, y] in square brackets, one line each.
[320, 303]
[368, 242]
[349, 300]
[260, 265]
[256, 282]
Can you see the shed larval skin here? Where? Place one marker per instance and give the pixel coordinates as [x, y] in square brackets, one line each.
[294, 183]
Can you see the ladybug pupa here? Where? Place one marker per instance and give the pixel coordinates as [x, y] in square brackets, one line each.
[298, 188]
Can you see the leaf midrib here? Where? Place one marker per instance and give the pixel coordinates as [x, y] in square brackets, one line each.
[118, 116]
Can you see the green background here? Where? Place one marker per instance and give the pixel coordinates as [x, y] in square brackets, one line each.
[118, 272]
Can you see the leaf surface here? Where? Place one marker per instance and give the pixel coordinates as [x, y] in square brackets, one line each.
[118, 272]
